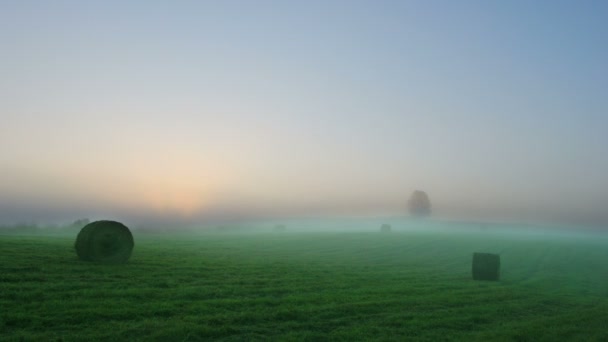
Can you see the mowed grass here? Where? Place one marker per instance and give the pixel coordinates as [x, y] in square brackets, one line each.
[307, 286]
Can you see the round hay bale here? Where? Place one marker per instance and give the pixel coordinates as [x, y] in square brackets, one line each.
[104, 241]
[385, 228]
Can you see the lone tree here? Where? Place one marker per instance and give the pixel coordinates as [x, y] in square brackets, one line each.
[419, 204]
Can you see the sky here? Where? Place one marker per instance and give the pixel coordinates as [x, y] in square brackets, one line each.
[192, 110]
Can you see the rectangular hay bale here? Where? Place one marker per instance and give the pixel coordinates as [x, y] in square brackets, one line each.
[486, 266]
[385, 228]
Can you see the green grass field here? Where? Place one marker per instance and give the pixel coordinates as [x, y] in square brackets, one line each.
[307, 286]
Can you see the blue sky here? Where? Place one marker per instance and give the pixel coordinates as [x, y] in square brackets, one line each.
[286, 108]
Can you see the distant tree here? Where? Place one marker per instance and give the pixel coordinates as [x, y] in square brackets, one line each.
[419, 204]
[228, 228]
[81, 223]
[385, 228]
[26, 227]
[280, 228]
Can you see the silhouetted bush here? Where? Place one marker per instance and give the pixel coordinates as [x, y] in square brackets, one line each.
[80, 223]
[280, 228]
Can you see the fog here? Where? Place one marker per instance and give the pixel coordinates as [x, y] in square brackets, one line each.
[210, 114]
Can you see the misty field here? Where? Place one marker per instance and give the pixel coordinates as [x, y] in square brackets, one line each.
[403, 285]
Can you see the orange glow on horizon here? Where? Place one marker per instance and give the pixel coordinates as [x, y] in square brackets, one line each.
[181, 185]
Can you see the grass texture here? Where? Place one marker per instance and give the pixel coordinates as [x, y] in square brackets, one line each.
[306, 287]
